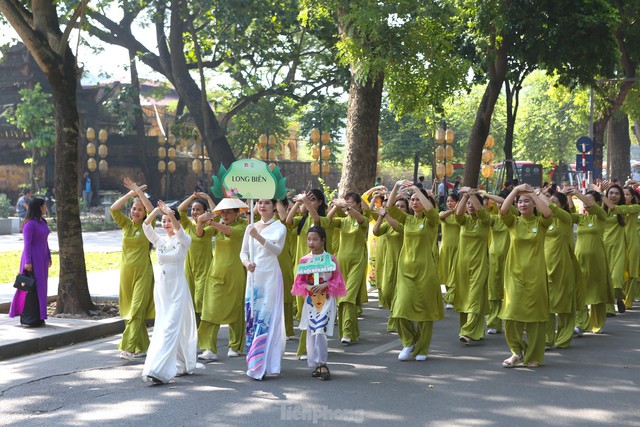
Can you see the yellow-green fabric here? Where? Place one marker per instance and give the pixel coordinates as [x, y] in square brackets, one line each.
[418, 334]
[418, 295]
[632, 237]
[389, 247]
[223, 297]
[448, 249]
[559, 258]
[526, 295]
[498, 249]
[533, 347]
[348, 321]
[559, 331]
[352, 256]
[615, 243]
[198, 260]
[208, 336]
[590, 253]
[285, 259]
[472, 266]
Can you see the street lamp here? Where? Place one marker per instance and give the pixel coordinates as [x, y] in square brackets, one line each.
[320, 152]
[487, 157]
[166, 162]
[102, 166]
[444, 152]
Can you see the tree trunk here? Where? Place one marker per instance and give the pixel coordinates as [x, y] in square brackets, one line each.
[511, 123]
[618, 148]
[480, 129]
[363, 119]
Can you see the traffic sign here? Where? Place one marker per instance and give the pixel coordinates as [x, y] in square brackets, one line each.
[584, 144]
[588, 159]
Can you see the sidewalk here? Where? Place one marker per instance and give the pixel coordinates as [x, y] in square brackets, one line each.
[16, 340]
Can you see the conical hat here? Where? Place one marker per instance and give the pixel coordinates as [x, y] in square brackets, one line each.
[231, 203]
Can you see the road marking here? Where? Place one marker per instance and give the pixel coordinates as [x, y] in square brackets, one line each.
[383, 348]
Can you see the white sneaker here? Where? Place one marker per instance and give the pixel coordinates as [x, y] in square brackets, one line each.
[578, 332]
[492, 331]
[126, 355]
[232, 353]
[208, 355]
[421, 357]
[345, 340]
[449, 306]
[405, 354]
[303, 357]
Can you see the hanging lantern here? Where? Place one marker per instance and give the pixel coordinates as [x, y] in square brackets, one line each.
[171, 153]
[489, 142]
[162, 152]
[315, 135]
[315, 168]
[440, 170]
[171, 166]
[103, 166]
[449, 152]
[440, 136]
[91, 164]
[91, 149]
[272, 155]
[208, 167]
[272, 166]
[326, 168]
[263, 154]
[172, 139]
[196, 166]
[195, 150]
[449, 136]
[103, 151]
[161, 139]
[379, 141]
[102, 136]
[315, 151]
[262, 140]
[326, 153]
[439, 153]
[272, 141]
[487, 156]
[91, 134]
[326, 137]
[487, 171]
[162, 166]
[449, 169]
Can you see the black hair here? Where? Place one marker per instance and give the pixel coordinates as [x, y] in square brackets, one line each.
[634, 195]
[535, 210]
[355, 196]
[322, 208]
[34, 211]
[26, 191]
[406, 202]
[562, 199]
[596, 196]
[176, 213]
[203, 202]
[455, 197]
[321, 232]
[622, 201]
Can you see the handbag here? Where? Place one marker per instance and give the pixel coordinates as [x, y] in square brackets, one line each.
[25, 282]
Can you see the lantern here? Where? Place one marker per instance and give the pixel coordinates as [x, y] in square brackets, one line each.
[172, 139]
[487, 156]
[449, 169]
[263, 154]
[440, 170]
[91, 149]
[196, 166]
[161, 139]
[262, 140]
[489, 142]
[208, 167]
[272, 155]
[272, 141]
[440, 136]
[326, 153]
[439, 153]
[315, 135]
[487, 171]
[315, 151]
[171, 152]
[161, 166]
[103, 166]
[449, 152]
[102, 136]
[326, 168]
[449, 136]
[326, 137]
[91, 134]
[91, 164]
[162, 153]
[171, 166]
[315, 168]
[195, 150]
[103, 150]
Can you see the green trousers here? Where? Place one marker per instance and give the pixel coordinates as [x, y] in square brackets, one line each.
[533, 347]
[135, 338]
[288, 319]
[493, 321]
[597, 317]
[208, 336]
[582, 319]
[472, 325]
[418, 334]
[348, 321]
[560, 330]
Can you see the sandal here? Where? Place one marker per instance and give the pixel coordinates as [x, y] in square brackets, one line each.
[533, 364]
[514, 360]
[316, 372]
[324, 372]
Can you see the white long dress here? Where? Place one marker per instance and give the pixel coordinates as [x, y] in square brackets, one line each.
[264, 304]
[174, 342]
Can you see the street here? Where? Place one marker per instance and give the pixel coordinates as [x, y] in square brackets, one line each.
[595, 382]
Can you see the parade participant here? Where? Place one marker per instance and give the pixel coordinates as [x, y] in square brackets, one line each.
[472, 266]
[498, 249]
[223, 296]
[418, 301]
[264, 307]
[172, 351]
[526, 297]
[388, 255]
[285, 259]
[562, 268]
[35, 260]
[313, 207]
[632, 263]
[448, 247]
[352, 259]
[200, 254]
[136, 272]
[320, 283]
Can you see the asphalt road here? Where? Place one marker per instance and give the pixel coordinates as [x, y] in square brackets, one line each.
[595, 382]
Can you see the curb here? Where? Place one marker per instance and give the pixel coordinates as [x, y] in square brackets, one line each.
[92, 330]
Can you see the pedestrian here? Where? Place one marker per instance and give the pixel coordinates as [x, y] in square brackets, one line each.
[173, 347]
[526, 296]
[449, 247]
[23, 205]
[320, 283]
[264, 307]
[136, 272]
[224, 291]
[200, 254]
[632, 265]
[36, 260]
[418, 301]
[285, 259]
[87, 193]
